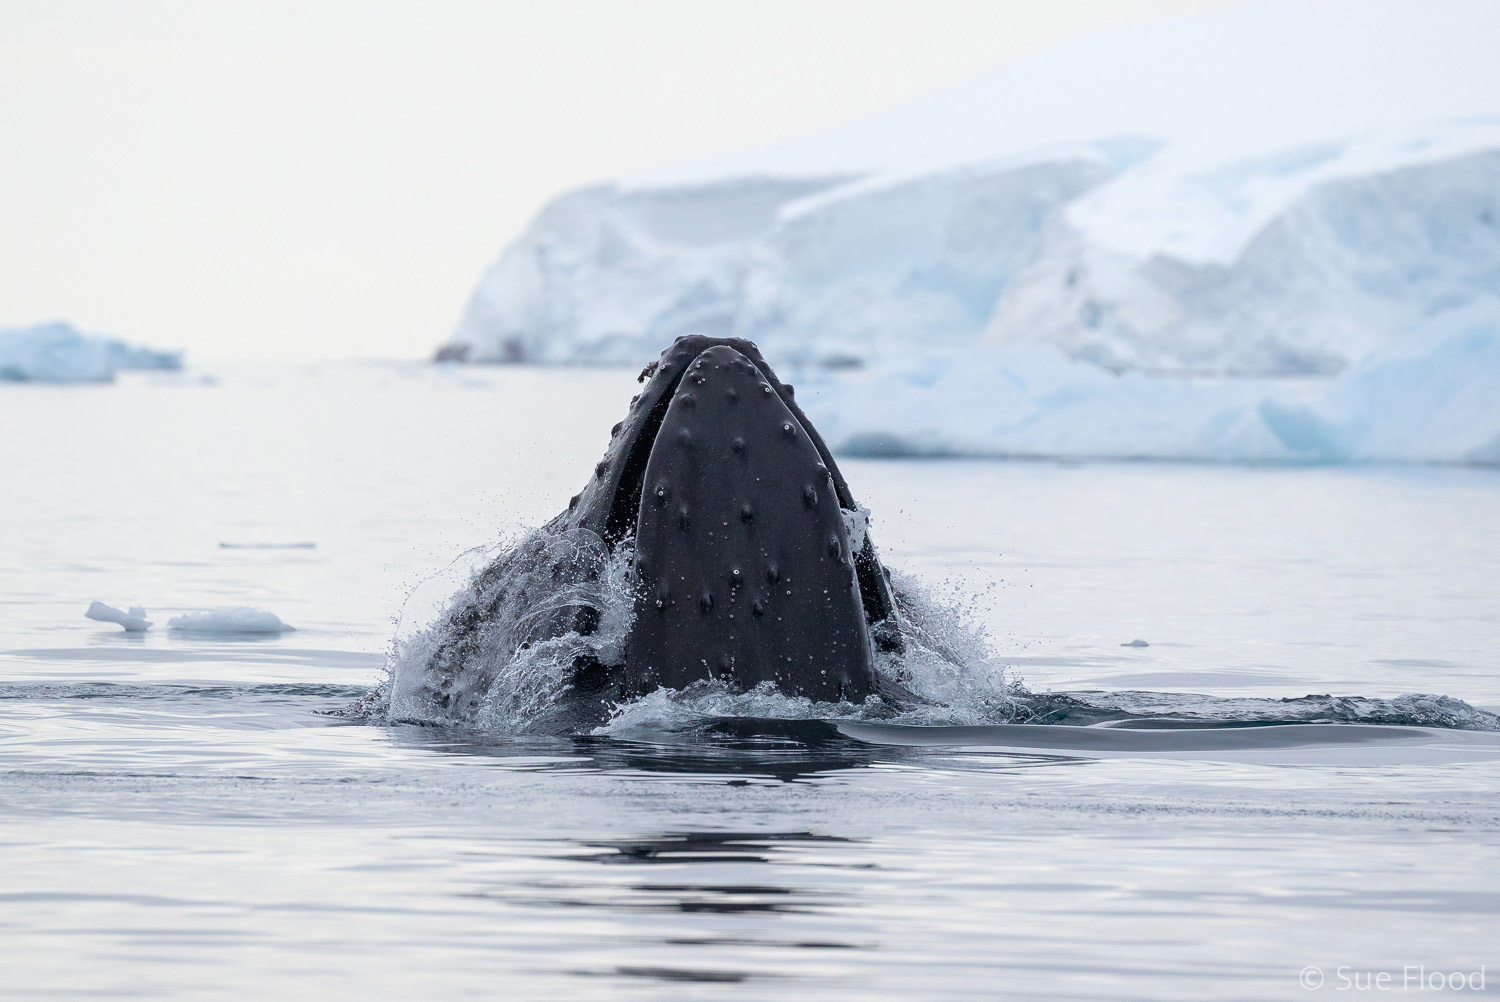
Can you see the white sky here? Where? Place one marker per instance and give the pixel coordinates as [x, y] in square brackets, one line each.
[320, 179]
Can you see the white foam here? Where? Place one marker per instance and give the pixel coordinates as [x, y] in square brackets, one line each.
[475, 643]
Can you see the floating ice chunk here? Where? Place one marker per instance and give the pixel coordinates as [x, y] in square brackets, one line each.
[57, 353]
[303, 545]
[133, 621]
[1137, 642]
[240, 620]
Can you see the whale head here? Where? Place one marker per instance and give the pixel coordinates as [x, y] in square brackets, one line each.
[745, 557]
[745, 566]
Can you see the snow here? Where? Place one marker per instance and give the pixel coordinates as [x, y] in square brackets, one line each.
[58, 353]
[239, 620]
[1229, 235]
[1215, 86]
[133, 621]
[1341, 270]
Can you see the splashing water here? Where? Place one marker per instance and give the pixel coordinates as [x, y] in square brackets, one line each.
[503, 640]
[486, 643]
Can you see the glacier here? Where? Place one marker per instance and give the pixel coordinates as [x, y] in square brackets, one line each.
[58, 353]
[1430, 395]
[1261, 233]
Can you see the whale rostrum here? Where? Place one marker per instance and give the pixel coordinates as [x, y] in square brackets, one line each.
[744, 567]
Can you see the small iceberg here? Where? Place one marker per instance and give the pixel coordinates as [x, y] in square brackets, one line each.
[241, 620]
[59, 353]
[133, 621]
[301, 545]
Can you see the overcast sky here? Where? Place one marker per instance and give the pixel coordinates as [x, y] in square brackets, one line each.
[324, 179]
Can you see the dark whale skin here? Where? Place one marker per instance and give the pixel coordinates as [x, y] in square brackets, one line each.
[609, 503]
[743, 568]
[828, 639]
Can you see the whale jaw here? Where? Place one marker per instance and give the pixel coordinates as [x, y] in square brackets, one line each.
[744, 570]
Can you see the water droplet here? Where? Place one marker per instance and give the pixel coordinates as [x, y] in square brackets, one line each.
[787, 429]
[765, 389]
[662, 492]
[735, 577]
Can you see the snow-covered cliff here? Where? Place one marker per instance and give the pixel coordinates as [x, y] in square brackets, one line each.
[1190, 209]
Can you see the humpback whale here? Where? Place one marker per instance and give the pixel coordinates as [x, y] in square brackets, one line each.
[749, 556]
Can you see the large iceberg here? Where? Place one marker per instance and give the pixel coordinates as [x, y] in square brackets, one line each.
[1254, 233]
[58, 353]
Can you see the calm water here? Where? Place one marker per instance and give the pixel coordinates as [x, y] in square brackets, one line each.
[177, 820]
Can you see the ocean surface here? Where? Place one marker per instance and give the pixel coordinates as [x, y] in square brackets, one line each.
[187, 816]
